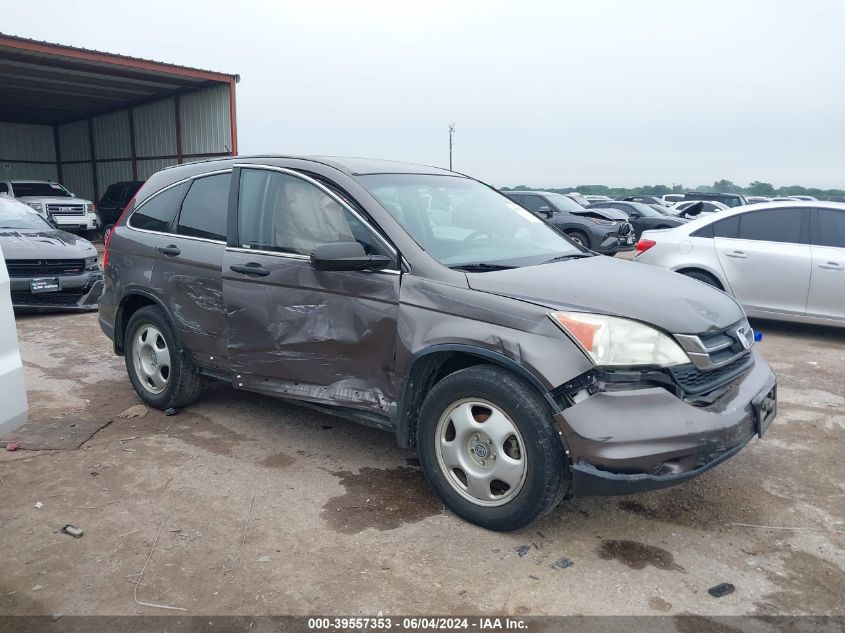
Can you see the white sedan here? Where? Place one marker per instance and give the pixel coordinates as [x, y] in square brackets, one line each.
[780, 260]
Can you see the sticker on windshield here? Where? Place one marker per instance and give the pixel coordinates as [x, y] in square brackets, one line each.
[525, 214]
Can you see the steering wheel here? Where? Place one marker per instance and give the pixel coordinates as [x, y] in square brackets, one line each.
[476, 234]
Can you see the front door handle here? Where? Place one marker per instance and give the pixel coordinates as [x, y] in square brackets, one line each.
[831, 266]
[171, 250]
[251, 268]
[737, 254]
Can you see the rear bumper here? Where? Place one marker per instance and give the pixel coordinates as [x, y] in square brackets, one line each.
[77, 292]
[644, 439]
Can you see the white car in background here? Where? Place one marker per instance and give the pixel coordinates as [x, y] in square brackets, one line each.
[12, 385]
[51, 200]
[782, 261]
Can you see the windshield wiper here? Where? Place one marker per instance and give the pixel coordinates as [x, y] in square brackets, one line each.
[561, 258]
[479, 267]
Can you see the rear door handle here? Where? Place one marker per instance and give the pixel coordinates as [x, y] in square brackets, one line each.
[170, 251]
[251, 268]
[737, 254]
[831, 266]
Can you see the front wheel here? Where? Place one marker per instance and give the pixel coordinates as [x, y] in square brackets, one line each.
[579, 238]
[160, 373]
[490, 448]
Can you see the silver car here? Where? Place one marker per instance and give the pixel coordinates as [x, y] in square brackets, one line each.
[782, 261]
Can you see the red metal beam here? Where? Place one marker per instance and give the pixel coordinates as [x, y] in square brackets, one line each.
[233, 117]
[110, 59]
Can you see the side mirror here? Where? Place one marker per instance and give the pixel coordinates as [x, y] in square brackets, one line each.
[346, 256]
[545, 211]
[634, 215]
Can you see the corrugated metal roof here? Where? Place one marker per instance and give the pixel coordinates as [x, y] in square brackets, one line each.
[117, 56]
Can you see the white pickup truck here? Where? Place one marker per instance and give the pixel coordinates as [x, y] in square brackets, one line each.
[51, 200]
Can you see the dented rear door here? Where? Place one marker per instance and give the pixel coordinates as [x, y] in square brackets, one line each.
[294, 331]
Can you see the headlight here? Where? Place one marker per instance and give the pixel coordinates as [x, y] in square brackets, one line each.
[614, 341]
[599, 221]
[89, 206]
[35, 205]
[91, 263]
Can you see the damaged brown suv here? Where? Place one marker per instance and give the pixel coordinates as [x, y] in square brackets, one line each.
[522, 367]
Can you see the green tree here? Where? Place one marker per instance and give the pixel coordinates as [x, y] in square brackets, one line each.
[757, 188]
[726, 186]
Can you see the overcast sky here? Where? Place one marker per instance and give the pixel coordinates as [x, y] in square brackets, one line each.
[541, 93]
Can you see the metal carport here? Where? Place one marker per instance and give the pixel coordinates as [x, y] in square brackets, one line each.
[87, 118]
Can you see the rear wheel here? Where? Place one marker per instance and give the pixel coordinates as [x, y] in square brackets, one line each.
[700, 275]
[160, 373]
[490, 448]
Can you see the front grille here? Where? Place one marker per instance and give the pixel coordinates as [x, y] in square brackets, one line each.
[66, 209]
[46, 298]
[715, 349]
[695, 381]
[625, 229]
[36, 267]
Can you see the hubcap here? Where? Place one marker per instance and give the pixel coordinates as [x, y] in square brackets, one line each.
[480, 452]
[151, 359]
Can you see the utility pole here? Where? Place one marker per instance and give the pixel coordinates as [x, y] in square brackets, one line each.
[451, 135]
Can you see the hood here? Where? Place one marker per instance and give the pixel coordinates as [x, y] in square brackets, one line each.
[607, 214]
[605, 285]
[52, 199]
[44, 244]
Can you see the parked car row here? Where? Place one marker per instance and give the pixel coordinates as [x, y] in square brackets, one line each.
[523, 367]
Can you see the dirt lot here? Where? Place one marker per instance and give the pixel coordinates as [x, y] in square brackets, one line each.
[338, 520]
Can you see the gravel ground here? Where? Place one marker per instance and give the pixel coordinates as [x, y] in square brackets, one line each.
[270, 508]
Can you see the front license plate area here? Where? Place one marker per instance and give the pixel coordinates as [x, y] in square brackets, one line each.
[630, 239]
[38, 286]
[765, 409]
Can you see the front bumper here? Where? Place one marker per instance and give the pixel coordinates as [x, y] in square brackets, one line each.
[77, 292]
[87, 222]
[635, 440]
[612, 243]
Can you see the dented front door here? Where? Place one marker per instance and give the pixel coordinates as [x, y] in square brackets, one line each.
[294, 331]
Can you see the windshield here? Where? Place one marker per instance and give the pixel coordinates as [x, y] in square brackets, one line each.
[461, 222]
[12, 217]
[563, 203]
[40, 190]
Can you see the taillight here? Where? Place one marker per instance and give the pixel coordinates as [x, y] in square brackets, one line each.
[108, 237]
[644, 244]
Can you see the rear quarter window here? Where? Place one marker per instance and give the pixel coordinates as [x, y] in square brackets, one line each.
[204, 209]
[158, 213]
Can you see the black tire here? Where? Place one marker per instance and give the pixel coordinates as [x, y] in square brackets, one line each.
[705, 277]
[106, 230]
[183, 384]
[546, 467]
[579, 237]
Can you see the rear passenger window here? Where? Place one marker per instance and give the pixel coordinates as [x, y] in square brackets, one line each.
[729, 227]
[774, 225]
[158, 213]
[830, 228]
[204, 209]
[704, 231]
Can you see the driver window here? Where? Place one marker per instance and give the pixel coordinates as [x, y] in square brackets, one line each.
[280, 212]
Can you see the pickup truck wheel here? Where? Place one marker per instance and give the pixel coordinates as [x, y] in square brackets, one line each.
[490, 448]
[160, 373]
